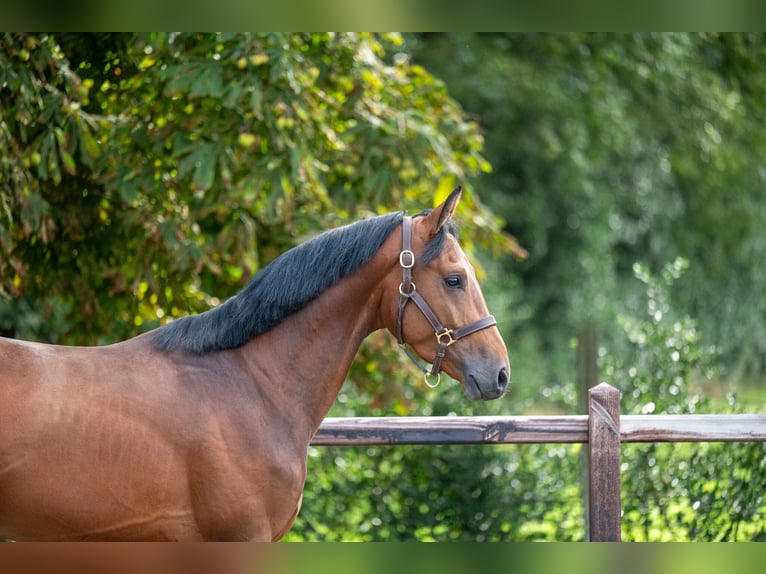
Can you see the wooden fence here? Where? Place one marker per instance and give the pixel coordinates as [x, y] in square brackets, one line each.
[603, 429]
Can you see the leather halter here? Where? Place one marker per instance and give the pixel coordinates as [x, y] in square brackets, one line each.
[407, 292]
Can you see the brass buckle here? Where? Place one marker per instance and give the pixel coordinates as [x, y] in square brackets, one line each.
[409, 254]
[446, 333]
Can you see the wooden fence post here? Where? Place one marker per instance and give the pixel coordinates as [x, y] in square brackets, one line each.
[604, 463]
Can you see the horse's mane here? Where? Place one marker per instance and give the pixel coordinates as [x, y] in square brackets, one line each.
[285, 286]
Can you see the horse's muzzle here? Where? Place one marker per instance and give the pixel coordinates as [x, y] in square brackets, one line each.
[486, 383]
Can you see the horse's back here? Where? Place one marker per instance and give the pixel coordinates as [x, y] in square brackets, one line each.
[22, 367]
[43, 385]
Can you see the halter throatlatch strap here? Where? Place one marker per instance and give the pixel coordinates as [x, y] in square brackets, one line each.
[408, 292]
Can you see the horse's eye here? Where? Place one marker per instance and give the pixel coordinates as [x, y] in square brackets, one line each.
[454, 281]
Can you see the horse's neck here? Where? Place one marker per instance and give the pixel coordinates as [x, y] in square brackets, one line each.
[301, 364]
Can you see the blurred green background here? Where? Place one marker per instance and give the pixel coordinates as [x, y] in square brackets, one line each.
[615, 189]
[307, 15]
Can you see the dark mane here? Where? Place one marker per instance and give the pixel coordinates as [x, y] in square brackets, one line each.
[286, 285]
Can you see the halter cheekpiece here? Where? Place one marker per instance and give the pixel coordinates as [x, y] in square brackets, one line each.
[408, 292]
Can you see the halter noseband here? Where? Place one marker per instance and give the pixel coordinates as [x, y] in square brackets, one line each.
[407, 292]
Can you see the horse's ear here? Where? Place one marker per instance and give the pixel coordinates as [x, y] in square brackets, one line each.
[442, 213]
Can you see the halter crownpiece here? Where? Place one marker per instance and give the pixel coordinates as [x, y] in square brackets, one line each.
[408, 292]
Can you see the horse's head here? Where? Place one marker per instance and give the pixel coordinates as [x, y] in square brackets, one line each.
[439, 309]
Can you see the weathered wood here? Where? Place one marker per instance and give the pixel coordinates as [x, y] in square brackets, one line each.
[604, 463]
[542, 429]
[693, 428]
[451, 430]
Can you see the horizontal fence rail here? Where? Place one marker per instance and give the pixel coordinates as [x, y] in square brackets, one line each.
[603, 429]
[451, 430]
[364, 431]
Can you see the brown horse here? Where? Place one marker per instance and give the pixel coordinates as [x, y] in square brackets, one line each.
[199, 430]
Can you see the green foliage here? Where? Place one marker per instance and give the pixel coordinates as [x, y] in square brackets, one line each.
[666, 352]
[707, 491]
[444, 493]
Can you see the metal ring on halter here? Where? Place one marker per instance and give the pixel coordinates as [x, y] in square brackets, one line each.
[409, 254]
[402, 293]
[427, 374]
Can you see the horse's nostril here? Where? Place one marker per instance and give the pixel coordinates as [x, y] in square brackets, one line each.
[502, 378]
